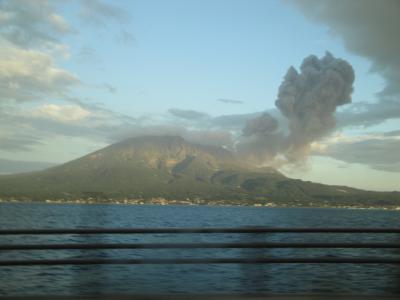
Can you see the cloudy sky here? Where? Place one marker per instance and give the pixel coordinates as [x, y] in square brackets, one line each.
[310, 87]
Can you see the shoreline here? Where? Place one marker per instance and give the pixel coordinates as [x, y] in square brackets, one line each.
[90, 202]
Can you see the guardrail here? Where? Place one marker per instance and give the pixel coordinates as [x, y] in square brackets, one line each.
[234, 260]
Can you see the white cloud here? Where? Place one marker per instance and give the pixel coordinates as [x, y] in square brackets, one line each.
[59, 23]
[27, 75]
[62, 113]
[27, 23]
[31, 37]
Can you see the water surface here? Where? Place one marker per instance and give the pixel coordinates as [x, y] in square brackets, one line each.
[121, 279]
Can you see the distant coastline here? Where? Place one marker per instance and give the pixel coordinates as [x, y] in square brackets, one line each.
[160, 202]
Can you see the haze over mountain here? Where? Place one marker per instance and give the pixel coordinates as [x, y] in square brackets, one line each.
[169, 167]
[16, 166]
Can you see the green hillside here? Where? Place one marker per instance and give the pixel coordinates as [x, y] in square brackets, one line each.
[173, 169]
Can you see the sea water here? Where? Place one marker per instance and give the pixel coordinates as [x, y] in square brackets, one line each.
[209, 278]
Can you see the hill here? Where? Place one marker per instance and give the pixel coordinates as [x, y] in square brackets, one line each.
[169, 169]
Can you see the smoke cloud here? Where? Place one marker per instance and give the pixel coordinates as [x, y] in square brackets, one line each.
[263, 125]
[308, 100]
[368, 28]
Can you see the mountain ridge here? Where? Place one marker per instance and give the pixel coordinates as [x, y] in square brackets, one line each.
[170, 168]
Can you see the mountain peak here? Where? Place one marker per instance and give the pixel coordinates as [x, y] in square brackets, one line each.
[166, 150]
[171, 168]
[153, 139]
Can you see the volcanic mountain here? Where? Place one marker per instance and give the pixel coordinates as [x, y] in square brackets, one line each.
[174, 169]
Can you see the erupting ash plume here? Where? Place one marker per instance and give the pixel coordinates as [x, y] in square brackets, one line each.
[308, 100]
[261, 126]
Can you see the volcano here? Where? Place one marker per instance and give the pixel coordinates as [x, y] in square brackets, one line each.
[174, 169]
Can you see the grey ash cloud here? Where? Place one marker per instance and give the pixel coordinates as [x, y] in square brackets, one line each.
[230, 101]
[370, 29]
[260, 141]
[308, 100]
[263, 125]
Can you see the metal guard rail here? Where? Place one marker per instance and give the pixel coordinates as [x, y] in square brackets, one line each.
[248, 230]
